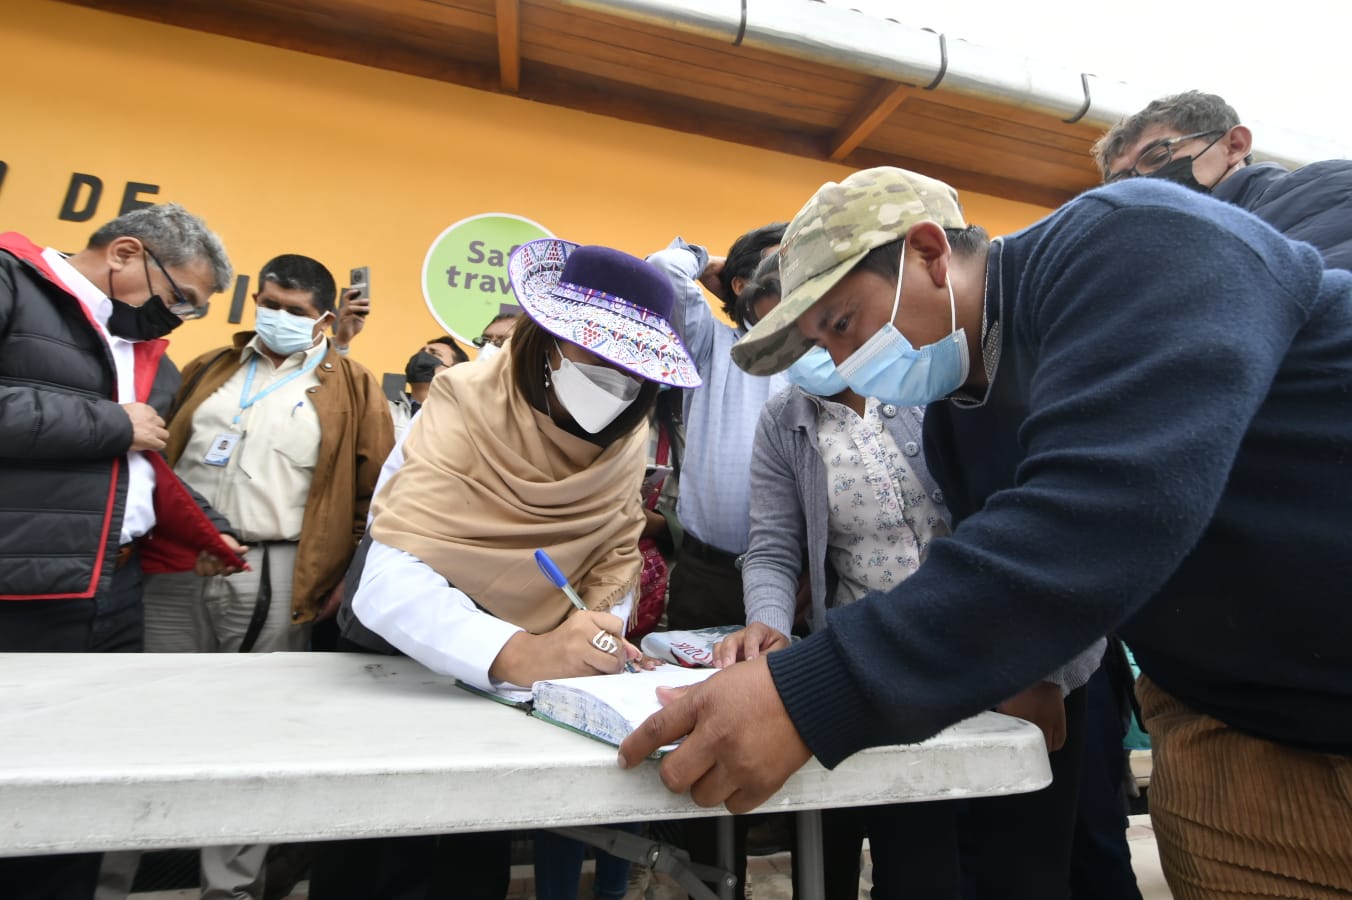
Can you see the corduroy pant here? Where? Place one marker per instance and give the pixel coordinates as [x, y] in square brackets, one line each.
[1237, 816]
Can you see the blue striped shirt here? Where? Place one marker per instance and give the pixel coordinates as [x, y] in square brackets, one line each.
[720, 415]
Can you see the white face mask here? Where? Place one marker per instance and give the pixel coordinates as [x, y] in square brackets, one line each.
[488, 351]
[593, 395]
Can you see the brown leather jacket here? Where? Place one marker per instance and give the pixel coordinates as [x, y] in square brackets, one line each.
[356, 435]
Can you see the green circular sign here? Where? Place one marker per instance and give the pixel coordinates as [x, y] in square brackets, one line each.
[464, 275]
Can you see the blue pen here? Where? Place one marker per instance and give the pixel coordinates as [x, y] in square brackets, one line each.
[559, 581]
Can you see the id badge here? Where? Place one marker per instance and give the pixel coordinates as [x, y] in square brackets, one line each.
[221, 447]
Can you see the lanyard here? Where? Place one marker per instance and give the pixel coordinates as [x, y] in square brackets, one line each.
[245, 401]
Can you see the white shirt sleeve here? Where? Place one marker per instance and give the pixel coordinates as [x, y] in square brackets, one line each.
[406, 602]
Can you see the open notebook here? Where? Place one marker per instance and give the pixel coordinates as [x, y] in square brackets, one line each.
[604, 707]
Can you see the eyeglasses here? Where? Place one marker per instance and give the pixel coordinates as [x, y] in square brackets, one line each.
[1161, 153]
[182, 306]
[495, 340]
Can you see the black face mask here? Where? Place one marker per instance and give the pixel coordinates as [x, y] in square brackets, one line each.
[146, 322]
[1179, 171]
[421, 368]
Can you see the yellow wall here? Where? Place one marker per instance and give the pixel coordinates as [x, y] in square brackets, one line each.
[285, 152]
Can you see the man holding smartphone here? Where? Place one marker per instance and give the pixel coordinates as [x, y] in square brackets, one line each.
[288, 437]
[353, 308]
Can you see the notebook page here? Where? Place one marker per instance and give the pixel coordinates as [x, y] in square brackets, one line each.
[610, 706]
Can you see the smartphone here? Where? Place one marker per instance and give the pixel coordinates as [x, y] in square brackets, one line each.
[653, 477]
[360, 281]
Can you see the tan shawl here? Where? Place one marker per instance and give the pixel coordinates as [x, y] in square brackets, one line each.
[487, 480]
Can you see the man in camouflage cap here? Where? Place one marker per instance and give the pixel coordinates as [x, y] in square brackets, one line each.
[1142, 414]
[829, 236]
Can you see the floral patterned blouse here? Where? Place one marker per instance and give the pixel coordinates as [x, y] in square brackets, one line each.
[881, 519]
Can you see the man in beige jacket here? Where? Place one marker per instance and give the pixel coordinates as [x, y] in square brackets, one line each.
[287, 435]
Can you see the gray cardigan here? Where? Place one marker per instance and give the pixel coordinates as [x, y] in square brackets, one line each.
[789, 505]
[789, 513]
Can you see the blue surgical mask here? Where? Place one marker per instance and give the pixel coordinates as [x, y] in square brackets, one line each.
[889, 368]
[815, 373]
[284, 332]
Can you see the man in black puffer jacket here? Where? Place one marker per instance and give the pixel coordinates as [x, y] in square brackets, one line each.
[85, 496]
[1195, 139]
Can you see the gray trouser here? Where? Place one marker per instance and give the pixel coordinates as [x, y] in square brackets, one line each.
[189, 614]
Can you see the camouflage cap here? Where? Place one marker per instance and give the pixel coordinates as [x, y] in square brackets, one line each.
[829, 236]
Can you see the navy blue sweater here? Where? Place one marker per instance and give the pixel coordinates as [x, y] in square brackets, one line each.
[1166, 450]
[1313, 203]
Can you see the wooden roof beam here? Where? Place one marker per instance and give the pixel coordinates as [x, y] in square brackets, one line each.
[880, 103]
[509, 44]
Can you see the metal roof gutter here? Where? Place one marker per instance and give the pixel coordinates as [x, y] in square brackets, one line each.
[848, 40]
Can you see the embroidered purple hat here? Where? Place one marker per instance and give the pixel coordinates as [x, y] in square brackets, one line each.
[613, 304]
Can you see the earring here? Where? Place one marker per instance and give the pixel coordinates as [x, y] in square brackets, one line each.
[548, 411]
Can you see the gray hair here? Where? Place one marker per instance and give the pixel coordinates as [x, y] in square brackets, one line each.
[174, 235]
[1187, 113]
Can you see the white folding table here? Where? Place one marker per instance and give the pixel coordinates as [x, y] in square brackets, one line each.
[142, 751]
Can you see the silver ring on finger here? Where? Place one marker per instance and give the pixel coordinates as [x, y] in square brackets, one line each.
[605, 642]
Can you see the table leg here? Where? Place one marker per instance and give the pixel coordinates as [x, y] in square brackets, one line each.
[727, 849]
[811, 875]
[694, 877]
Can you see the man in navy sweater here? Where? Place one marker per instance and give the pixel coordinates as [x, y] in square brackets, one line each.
[1142, 420]
[1196, 140]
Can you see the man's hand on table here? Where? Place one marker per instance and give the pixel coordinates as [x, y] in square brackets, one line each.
[742, 745]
